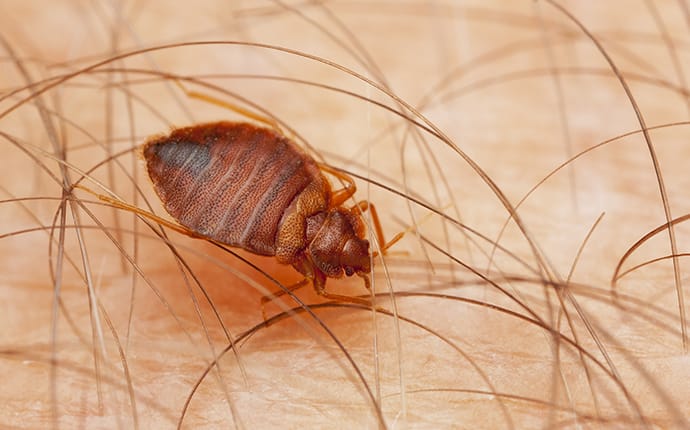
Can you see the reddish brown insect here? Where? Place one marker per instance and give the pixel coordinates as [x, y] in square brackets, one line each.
[254, 188]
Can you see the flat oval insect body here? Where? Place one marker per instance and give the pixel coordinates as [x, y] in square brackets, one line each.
[253, 188]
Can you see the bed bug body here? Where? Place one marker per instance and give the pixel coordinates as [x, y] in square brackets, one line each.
[253, 188]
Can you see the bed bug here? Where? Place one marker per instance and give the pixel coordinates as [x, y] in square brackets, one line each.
[253, 188]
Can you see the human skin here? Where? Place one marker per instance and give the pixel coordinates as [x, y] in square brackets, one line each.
[530, 333]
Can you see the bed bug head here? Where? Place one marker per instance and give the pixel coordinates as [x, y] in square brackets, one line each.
[338, 244]
[355, 256]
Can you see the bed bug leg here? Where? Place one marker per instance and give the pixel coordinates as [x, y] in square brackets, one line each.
[230, 106]
[338, 197]
[365, 279]
[367, 206]
[346, 299]
[119, 204]
[320, 287]
[273, 296]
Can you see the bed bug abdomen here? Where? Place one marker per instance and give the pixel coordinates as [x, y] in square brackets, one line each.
[236, 183]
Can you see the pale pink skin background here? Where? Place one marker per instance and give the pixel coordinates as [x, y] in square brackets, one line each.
[503, 105]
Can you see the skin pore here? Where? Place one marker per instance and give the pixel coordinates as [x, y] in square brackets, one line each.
[535, 286]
